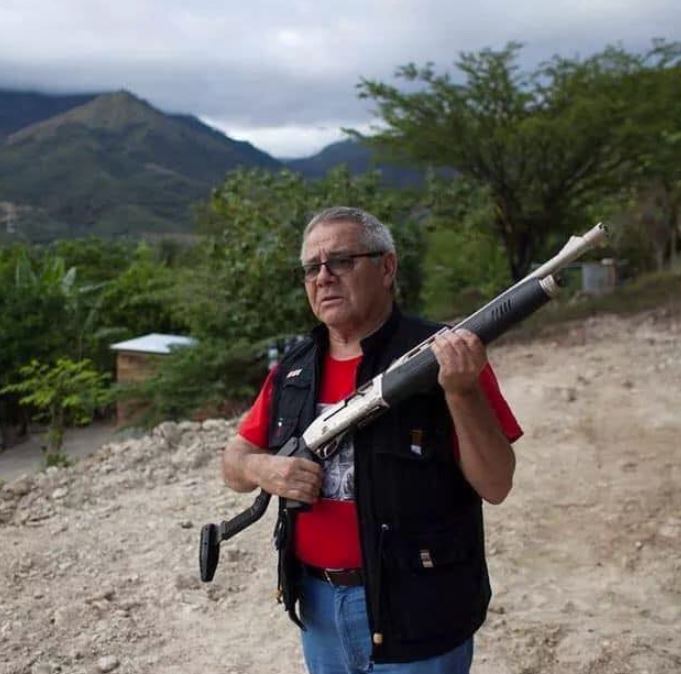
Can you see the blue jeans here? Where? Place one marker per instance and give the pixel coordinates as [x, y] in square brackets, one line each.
[337, 638]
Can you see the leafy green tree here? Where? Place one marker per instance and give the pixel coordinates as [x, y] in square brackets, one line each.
[248, 284]
[49, 311]
[32, 305]
[65, 393]
[140, 299]
[97, 260]
[245, 285]
[545, 143]
[659, 176]
[465, 263]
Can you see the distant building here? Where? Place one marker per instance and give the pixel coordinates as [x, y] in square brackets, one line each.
[137, 359]
[599, 278]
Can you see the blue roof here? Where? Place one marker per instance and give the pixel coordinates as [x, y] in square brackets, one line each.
[154, 343]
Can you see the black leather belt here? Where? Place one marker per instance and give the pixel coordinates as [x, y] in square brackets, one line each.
[337, 577]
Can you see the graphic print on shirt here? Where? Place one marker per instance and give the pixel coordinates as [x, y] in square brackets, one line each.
[339, 470]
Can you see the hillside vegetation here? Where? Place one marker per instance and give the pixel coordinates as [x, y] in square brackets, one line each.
[114, 166]
[111, 165]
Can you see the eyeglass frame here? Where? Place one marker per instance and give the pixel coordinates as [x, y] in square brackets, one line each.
[307, 268]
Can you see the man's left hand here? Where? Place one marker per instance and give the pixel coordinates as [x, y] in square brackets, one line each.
[462, 357]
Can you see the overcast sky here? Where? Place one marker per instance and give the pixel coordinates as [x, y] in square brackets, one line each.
[282, 74]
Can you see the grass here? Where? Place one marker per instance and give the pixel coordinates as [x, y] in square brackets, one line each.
[59, 459]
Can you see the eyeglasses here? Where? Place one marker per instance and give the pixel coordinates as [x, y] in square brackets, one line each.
[339, 265]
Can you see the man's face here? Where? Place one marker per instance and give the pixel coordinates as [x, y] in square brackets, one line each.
[355, 297]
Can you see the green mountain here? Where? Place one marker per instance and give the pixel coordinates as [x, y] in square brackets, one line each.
[358, 159]
[19, 109]
[113, 165]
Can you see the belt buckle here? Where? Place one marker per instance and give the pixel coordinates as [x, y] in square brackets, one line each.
[331, 576]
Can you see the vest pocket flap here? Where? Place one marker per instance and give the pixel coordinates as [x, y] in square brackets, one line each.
[427, 552]
[297, 379]
[418, 445]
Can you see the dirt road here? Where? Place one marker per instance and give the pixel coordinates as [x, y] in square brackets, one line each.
[98, 568]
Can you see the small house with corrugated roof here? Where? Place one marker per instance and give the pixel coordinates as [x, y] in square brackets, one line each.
[138, 358]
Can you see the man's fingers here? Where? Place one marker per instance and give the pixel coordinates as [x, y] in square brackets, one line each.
[448, 349]
[472, 342]
[308, 479]
[466, 345]
[467, 335]
[302, 492]
[307, 466]
[461, 357]
[294, 478]
[298, 495]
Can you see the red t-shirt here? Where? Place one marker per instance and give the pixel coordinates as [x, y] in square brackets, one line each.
[327, 535]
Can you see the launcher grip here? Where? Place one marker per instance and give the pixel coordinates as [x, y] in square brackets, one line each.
[301, 452]
[213, 534]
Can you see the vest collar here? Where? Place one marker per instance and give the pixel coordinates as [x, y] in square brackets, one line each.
[369, 344]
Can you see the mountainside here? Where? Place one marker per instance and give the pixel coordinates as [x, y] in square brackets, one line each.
[113, 165]
[19, 109]
[358, 159]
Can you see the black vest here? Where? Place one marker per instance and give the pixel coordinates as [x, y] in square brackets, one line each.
[420, 522]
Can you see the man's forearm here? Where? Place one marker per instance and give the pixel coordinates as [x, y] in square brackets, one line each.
[486, 457]
[237, 464]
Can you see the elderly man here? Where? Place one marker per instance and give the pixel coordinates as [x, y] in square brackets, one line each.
[387, 566]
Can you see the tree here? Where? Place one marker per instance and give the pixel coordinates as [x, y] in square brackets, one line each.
[659, 167]
[48, 311]
[97, 260]
[67, 392]
[32, 305]
[247, 284]
[544, 143]
[140, 298]
[464, 265]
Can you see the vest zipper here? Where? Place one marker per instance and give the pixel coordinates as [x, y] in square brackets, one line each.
[377, 636]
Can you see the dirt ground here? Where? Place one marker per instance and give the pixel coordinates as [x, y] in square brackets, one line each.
[98, 562]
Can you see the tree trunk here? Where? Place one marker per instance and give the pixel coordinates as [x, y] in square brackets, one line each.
[517, 240]
[519, 252]
[674, 227]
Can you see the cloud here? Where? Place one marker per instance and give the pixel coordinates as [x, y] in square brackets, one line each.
[261, 66]
[284, 141]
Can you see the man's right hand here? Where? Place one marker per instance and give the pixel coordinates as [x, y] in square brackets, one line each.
[246, 466]
[290, 477]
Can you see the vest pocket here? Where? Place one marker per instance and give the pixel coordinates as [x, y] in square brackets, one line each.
[418, 475]
[438, 581]
[289, 408]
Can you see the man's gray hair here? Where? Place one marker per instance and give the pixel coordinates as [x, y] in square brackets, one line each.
[375, 235]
